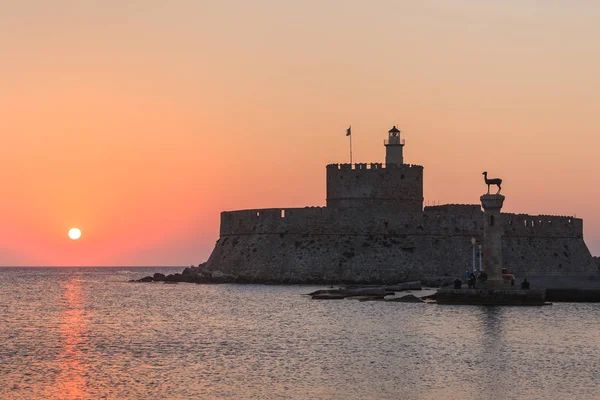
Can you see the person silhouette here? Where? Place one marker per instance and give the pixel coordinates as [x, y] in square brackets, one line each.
[471, 281]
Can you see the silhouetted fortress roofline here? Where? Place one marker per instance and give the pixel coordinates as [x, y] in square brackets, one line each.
[374, 229]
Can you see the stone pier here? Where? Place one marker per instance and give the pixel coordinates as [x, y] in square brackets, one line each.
[492, 291]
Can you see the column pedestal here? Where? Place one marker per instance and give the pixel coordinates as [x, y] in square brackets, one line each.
[492, 240]
[493, 291]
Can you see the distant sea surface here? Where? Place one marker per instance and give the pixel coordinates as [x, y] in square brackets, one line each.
[86, 333]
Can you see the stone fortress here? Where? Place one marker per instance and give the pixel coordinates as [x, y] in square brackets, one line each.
[374, 229]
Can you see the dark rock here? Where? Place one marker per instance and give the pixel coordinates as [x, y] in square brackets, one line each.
[205, 273]
[416, 285]
[173, 278]
[187, 278]
[409, 298]
[369, 291]
[327, 296]
[146, 279]
[326, 291]
[202, 279]
[220, 277]
[158, 277]
[369, 298]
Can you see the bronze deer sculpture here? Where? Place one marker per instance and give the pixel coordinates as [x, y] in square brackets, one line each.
[495, 181]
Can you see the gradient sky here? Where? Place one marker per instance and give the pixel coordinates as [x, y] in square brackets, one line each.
[139, 121]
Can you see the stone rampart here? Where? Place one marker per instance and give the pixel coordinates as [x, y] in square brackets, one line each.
[465, 210]
[397, 187]
[317, 244]
[542, 225]
[451, 219]
[332, 221]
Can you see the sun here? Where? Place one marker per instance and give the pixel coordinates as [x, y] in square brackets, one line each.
[74, 233]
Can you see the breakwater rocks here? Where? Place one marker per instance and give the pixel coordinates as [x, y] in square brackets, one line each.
[558, 289]
[201, 274]
[193, 275]
[378, 293]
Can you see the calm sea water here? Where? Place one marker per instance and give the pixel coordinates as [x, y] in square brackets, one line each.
[78, 333]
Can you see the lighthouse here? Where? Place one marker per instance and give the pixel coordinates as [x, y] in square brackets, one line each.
[393, 148]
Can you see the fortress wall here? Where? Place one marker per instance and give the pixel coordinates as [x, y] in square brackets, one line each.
[310, 258]
[436, 219]
[317, 244]
[453, 219]
[547, 255]
[313, 258]
[322, 220]
[467, 210]
[374, 185]
[524, 225]
[269, 220]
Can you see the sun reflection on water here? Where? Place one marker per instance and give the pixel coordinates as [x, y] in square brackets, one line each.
[71, 381]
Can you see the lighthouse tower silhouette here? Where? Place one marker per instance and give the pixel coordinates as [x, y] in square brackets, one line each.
[393, 147]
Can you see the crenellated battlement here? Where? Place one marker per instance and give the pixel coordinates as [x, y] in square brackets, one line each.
[467, 210]
[270, 220]
[315, 220]
[542, 225]
[363, 166]
[449, 219]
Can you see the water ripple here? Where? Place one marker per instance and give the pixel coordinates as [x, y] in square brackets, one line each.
[84, 333]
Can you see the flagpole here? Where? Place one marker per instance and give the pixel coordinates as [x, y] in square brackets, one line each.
[350, 147]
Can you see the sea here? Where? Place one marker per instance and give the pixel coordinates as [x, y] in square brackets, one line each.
[88, 333]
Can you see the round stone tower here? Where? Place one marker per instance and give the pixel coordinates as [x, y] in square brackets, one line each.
[393, 186]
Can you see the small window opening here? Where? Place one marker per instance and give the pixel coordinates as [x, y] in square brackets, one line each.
[491, 220]
[258, 214]
[282, 213]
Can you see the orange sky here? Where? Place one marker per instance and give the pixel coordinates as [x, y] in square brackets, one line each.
[139, 121]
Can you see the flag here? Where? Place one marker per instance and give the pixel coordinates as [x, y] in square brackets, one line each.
[349, 131]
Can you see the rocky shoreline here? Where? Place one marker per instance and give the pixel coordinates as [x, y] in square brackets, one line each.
[559, 288]
[200, 275]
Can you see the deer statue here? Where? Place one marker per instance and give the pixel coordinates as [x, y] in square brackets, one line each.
[495, 181]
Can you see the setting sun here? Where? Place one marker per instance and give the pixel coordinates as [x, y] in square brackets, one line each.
[74, 233]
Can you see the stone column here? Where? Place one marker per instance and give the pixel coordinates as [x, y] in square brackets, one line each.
[492, 239]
